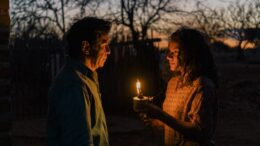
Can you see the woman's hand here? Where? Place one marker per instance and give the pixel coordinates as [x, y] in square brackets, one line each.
[149, 122]
[149, 115]
[152, 111]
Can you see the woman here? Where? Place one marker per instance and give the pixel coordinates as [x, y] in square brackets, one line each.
[189, 111]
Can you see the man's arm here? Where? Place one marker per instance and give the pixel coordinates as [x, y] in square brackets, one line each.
[74, 118]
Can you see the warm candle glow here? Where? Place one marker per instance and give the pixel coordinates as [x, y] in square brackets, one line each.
[138, 87]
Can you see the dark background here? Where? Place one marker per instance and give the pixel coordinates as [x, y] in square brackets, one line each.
[36, 52]
[238, 93]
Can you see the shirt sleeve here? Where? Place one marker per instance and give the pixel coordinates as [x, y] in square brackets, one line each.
[74, 118]
[203, 111]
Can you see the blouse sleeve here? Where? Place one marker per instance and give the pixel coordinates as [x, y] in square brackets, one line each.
[203, 111]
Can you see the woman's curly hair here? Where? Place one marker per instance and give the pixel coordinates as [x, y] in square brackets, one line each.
[194, 54]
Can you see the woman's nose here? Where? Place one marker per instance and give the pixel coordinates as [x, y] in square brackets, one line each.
[169, 57]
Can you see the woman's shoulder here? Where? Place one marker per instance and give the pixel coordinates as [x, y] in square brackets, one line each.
[203, 81]
[206, 89]
[205, 85]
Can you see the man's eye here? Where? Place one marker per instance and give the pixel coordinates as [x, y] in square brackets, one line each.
[106, 46]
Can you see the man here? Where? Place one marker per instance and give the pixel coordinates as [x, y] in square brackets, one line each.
[75, 114]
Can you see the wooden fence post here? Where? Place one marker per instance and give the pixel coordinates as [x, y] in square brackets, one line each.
[5, 83]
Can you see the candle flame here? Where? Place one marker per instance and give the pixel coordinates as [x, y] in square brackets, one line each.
[138, 87]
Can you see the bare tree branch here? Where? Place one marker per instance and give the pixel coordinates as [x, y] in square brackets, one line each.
[52, 15]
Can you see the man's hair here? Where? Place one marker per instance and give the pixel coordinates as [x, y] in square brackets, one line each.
[88, 29]
[194, 54]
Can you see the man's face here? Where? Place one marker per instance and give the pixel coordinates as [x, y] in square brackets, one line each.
[173, 56]
[103, 52]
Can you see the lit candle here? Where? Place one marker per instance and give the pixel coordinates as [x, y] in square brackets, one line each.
[138, 87]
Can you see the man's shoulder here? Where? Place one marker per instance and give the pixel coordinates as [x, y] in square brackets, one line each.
[66, 79]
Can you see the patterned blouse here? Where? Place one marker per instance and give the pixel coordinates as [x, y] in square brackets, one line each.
[195, 103]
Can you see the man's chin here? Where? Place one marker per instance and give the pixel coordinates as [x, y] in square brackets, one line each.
[102, 65]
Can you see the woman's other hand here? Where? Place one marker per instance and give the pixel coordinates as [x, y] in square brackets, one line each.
[152, 111]
[149, 122]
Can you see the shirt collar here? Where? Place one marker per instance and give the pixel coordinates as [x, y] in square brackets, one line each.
[78, 65]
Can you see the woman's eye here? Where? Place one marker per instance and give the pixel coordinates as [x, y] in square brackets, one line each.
[170, 54]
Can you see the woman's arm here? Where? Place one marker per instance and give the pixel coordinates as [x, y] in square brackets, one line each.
[201, 117]
[186, 128]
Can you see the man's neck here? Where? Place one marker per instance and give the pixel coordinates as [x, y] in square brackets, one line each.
[89, 65]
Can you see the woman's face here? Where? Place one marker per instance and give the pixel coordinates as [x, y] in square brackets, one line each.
[173, 56]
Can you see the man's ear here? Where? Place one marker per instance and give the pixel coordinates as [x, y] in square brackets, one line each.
[85, 47]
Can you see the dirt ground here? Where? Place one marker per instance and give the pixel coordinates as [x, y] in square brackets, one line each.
[234, 129]
[238, 123]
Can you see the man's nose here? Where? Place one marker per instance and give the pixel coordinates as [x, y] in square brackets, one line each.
[108, 50]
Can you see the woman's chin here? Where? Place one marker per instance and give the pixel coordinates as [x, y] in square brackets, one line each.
[173, 68]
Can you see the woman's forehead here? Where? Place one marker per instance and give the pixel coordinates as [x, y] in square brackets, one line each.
[173, 46]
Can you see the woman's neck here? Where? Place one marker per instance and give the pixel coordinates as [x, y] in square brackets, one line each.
[184, 78]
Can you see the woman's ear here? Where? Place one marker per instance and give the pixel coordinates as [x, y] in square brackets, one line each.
[85, 47]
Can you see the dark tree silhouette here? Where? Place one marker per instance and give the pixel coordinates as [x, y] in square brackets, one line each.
[141, 15]
[33, 17]
[234, 21]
